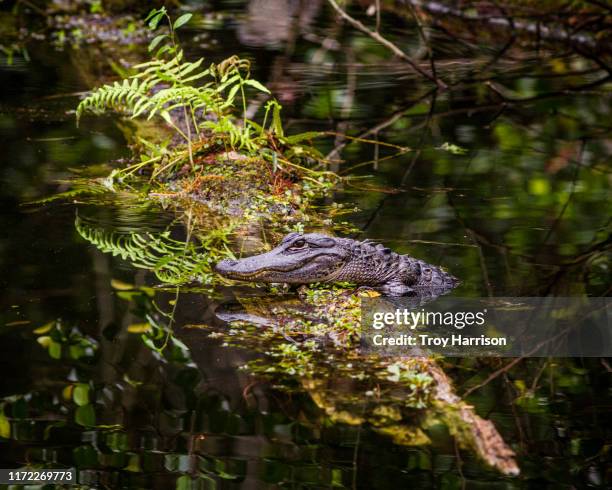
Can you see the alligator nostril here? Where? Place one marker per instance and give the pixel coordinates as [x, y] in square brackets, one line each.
[225, 265]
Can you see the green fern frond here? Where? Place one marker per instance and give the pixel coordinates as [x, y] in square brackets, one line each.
[162, 86]
[135, 94]
[306, 136]
[117, 96]
[172, 261]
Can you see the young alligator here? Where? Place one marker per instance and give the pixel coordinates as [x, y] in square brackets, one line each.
[312, 257]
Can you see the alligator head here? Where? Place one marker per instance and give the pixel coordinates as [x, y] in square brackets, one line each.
[298, 259]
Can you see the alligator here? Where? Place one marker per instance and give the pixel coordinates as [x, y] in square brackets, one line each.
[304, 258]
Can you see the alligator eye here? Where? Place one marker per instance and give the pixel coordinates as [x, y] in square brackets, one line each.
[299, 244]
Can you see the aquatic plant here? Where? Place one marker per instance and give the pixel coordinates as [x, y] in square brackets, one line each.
[199, 104]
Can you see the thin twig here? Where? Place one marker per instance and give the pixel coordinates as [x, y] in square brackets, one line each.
[536, 379]
[388, 44]
[558, 219]
[417, 154]
[482, 262]
[514, 362]
[424, 38]
[379, 127]
[459, 464]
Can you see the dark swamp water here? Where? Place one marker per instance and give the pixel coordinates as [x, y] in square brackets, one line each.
[507, 185]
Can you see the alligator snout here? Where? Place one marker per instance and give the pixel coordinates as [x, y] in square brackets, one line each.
[244, 269]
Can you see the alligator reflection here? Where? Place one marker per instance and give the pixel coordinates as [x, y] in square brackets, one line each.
[310, 344]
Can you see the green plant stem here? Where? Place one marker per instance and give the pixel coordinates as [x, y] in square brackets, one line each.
[186, 117]
[168, 165]
[133, 168]
[244, 109]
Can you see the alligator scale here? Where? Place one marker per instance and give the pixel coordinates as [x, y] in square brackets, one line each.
[312, 257]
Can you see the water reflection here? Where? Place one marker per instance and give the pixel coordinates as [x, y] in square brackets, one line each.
[273, 23]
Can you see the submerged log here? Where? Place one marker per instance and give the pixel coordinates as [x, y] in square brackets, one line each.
[469, 429]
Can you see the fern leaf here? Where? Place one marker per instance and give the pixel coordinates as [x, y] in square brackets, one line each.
[298, 138]
[173, 262]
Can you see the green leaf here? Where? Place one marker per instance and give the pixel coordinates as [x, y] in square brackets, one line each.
[308, 135]
[163, 49]
[148, 342]
[227, 82]
[80, 394]
[45, 328]
[167, 117]
[184, 483]
[128, 295]
[454, 149]
[151, 14]
[255, 84]
[139, 327]
[44, 341]
[133, 464]
[232, 93]
[76, 352]
[539, 187]
[182, 20]
[85, 416]
[55, 350]
[156, 40]
[277, 125]
[196, 76]
[121, 286]
[274, 162]
[255, 126]
[154, 22]
[5, 426]
[180, 344]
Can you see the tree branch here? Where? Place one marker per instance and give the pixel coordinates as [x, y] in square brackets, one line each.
[388, 44]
